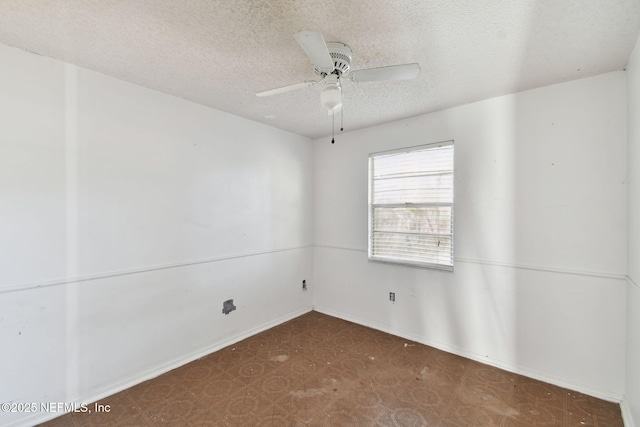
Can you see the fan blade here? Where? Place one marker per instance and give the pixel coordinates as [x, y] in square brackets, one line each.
[314, 46]
[284, 89]
[394, 72]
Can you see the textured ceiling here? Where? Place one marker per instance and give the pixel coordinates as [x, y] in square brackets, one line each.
[221, 52]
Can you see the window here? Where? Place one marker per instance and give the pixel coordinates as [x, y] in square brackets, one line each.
[411, 206]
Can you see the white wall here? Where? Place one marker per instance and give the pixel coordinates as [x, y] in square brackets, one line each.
[632, 394]
[540, 235]
[162, 209]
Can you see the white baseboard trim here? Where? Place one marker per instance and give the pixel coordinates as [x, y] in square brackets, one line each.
[507, 366]
[627, 418]
[161, 369]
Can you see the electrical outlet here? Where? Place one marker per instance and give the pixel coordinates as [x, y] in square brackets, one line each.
[304, 285]
[392, 296]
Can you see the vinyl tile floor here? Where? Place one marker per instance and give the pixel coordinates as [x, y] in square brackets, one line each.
[317, 370]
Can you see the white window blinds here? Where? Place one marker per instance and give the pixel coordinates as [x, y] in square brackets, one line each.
[411, 206]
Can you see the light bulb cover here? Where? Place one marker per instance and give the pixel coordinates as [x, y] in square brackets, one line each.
[331, 97]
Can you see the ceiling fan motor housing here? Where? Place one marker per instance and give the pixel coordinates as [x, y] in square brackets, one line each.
[341, 55]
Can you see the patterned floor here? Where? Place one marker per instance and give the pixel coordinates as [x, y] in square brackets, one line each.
[317, 370]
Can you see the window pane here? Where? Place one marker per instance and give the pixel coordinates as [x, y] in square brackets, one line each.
[411, 206]
[428, 219]
[417, 189]
[413, 247]
[425, 161]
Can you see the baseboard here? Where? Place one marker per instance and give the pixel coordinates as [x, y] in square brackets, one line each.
[627, 418]
[517, 369]
[161, 369]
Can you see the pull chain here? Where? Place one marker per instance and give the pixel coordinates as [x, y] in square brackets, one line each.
[333, 128]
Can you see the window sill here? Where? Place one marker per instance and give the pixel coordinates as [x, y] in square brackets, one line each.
[409, 263]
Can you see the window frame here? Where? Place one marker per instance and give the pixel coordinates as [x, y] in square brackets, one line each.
[371, 206]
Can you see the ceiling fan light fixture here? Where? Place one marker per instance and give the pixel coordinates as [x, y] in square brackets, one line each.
[331, 97]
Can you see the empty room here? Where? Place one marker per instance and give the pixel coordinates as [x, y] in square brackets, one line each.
[320, 213]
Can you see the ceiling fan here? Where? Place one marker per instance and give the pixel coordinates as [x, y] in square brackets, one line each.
[332, 62]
